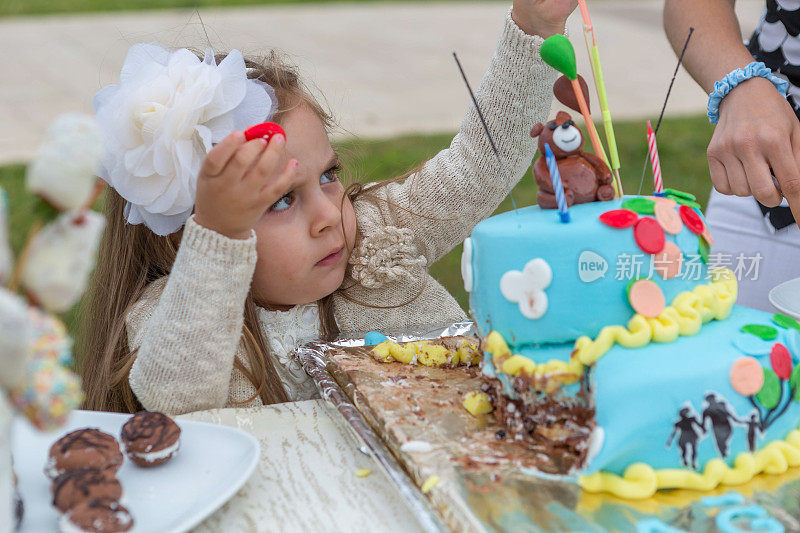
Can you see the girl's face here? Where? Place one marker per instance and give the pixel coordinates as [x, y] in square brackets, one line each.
[305, 239]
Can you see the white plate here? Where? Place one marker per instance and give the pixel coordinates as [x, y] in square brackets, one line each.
[786, 298]
[212, 464]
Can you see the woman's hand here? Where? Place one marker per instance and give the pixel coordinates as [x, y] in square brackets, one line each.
[757, 130]
[239, 181]
[542, 17]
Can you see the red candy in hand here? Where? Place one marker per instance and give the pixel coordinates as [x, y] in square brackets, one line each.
[265, 130]
[691, 219]
[649, 235]
[619, 218]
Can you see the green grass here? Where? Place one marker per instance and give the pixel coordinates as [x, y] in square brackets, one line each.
[43, 7]
[682, 144]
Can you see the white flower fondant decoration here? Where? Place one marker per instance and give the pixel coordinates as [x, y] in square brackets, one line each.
[527, 287]
[466, 264]
[164, 116]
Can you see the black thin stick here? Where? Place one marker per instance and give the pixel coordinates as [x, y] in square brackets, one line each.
[663, 107]
[485, 127]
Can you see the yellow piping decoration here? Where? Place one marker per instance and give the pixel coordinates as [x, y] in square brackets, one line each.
[684, 317]
[641, 481]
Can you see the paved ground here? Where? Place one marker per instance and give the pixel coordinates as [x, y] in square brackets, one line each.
[385, 68]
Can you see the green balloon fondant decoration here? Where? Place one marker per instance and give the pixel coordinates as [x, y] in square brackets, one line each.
[794, 382]
[558, 52]
[703, 248]
[786, 322]
[765, 333]
[770, 393]
[643, 206]
[675, 194]
[690, 203]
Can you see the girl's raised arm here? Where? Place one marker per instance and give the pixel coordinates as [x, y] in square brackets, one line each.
[465, 183]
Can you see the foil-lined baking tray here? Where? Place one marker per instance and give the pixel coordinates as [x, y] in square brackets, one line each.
[490, 484]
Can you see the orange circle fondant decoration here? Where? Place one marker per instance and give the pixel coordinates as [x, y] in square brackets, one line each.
[646, 298]
[747, 376]
[668, 217]
[619, 218]
[707, 235]
[649, 235]
[692, 219]
[668, 262]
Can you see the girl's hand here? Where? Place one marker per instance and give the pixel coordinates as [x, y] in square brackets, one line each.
[542, 17]
[757, 131]
[239, 181]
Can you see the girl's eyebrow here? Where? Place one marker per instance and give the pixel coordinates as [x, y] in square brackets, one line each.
[333, 162]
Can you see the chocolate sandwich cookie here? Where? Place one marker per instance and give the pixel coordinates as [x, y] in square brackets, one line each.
[80, 484]
[86, 447]
[150, 438]
[97, 515]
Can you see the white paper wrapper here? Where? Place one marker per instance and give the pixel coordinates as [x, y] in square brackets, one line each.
[61, 258]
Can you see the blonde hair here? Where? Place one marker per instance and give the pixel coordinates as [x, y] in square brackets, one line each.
[132, 256]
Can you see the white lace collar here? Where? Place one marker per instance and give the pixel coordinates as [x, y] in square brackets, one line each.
[284, 332]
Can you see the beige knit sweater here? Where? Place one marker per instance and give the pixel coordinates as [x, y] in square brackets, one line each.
[187, 326]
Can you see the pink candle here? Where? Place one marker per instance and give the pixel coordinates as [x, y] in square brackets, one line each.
[652, 149]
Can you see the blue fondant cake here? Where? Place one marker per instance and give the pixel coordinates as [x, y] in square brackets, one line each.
[619, 314]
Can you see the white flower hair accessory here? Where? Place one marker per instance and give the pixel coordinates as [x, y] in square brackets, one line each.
[163, 117]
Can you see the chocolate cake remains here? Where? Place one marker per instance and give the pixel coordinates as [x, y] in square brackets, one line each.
[549, 424]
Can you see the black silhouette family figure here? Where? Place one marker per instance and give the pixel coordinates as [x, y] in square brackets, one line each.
[691, 431]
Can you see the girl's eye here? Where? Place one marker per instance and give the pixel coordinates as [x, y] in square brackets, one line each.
[283, 204]
[328, 177]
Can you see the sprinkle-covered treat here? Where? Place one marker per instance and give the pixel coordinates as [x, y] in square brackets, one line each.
[86, 447]
[150, 438]
[97, 515]
[76, 486]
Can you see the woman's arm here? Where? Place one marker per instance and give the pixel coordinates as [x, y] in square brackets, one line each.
[187, 340]
[757, 128]
[464, 184]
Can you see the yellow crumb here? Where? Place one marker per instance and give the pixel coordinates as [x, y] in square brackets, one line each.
[404, 354]
[469, 353]
[431, 482]
[363, 472]
[477, 403]
[381, 352]
[433, 355]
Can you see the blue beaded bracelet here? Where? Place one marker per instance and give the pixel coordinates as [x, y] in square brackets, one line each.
[734, 78]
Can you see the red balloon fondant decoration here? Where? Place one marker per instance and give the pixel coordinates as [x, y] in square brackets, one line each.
[781, 361]
[649, 235]
[692, 220]
[265, 130]
[619, 218]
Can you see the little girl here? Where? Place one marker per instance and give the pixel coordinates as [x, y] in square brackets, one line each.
[222, 255]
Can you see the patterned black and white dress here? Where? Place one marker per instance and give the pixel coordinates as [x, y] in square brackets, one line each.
[776, 43]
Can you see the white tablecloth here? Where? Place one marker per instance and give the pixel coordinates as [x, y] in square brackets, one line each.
[306, 479]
